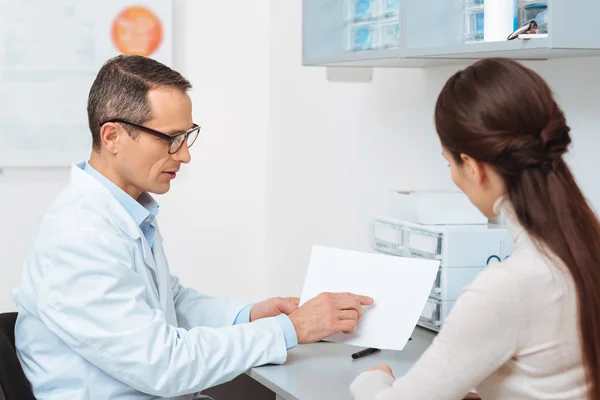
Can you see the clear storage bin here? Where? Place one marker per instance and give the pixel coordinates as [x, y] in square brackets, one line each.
[423, 244]
[373, 35]
[389, 8]
[387, 237]
[534, 9]
[436, 290]
[372, 24]
[431, 317]
[389, 34]
[361, 36]
[361, 10]
[473, 19]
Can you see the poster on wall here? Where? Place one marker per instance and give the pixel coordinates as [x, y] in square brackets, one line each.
[50, 53]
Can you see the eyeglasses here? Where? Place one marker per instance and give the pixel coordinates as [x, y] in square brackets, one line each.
[175, 142]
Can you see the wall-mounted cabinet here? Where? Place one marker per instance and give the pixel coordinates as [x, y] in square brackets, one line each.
[424, 32]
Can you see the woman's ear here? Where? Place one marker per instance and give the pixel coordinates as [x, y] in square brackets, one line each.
[473, 169]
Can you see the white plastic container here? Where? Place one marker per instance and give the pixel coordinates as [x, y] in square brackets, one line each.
[498, 19]
[436, 208]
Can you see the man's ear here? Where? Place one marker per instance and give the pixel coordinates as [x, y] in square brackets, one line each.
[474, 170]
[110, 134]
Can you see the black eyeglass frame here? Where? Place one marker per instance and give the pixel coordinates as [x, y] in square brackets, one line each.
[162, 135]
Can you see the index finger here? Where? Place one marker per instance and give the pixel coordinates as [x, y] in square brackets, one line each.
[350, 303]
[364, 300]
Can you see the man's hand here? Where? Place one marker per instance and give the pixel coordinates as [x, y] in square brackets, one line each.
[274, 307]
[383, 368]
[326, 314]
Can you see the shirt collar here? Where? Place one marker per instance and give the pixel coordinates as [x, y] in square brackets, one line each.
[142, 208]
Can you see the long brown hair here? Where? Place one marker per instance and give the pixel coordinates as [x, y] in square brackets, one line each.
[499, 112]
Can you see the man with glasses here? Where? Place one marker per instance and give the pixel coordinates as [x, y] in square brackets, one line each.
[100, 315]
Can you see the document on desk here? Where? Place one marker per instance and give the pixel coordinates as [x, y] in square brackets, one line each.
[400, 287]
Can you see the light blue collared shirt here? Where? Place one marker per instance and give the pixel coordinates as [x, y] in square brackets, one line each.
[144, 211]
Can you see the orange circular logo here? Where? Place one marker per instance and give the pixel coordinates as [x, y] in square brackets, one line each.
[137, 30]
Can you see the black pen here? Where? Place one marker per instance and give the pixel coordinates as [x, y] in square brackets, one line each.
[364, 352]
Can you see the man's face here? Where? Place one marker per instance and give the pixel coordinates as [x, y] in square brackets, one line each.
[144, 164]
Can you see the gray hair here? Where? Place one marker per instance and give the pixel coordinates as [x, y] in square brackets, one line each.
[120, 91]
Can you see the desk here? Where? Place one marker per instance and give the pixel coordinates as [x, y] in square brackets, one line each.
[324, 371]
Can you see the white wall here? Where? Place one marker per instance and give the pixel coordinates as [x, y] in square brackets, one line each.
[214, 218]
[287, 160]
[337, 149]
[24, 197]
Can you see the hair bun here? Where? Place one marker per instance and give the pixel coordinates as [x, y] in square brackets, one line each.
[555, 138]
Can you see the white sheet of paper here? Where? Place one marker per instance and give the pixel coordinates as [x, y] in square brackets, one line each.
[400, 287]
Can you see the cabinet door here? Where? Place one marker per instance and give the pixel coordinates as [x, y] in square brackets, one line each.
[574, 25]
[322, 30]
[350, 32]
[432, 32]
[572, 32]
[436, 29]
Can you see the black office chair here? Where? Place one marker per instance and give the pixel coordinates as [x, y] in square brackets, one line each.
[13, 383]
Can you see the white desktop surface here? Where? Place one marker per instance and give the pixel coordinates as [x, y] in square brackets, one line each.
[324, 371]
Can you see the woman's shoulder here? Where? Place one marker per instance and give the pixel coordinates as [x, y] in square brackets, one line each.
[529, 279]
[534, 265]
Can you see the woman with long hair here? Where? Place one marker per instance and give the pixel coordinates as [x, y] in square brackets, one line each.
[529, 327]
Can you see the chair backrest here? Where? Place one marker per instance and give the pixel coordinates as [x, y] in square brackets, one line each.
[7, 326]
[13, 383]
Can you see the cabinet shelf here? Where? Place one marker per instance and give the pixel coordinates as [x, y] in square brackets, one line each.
[431, 33]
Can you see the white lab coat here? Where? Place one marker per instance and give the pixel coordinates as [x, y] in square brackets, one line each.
[101, 317]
